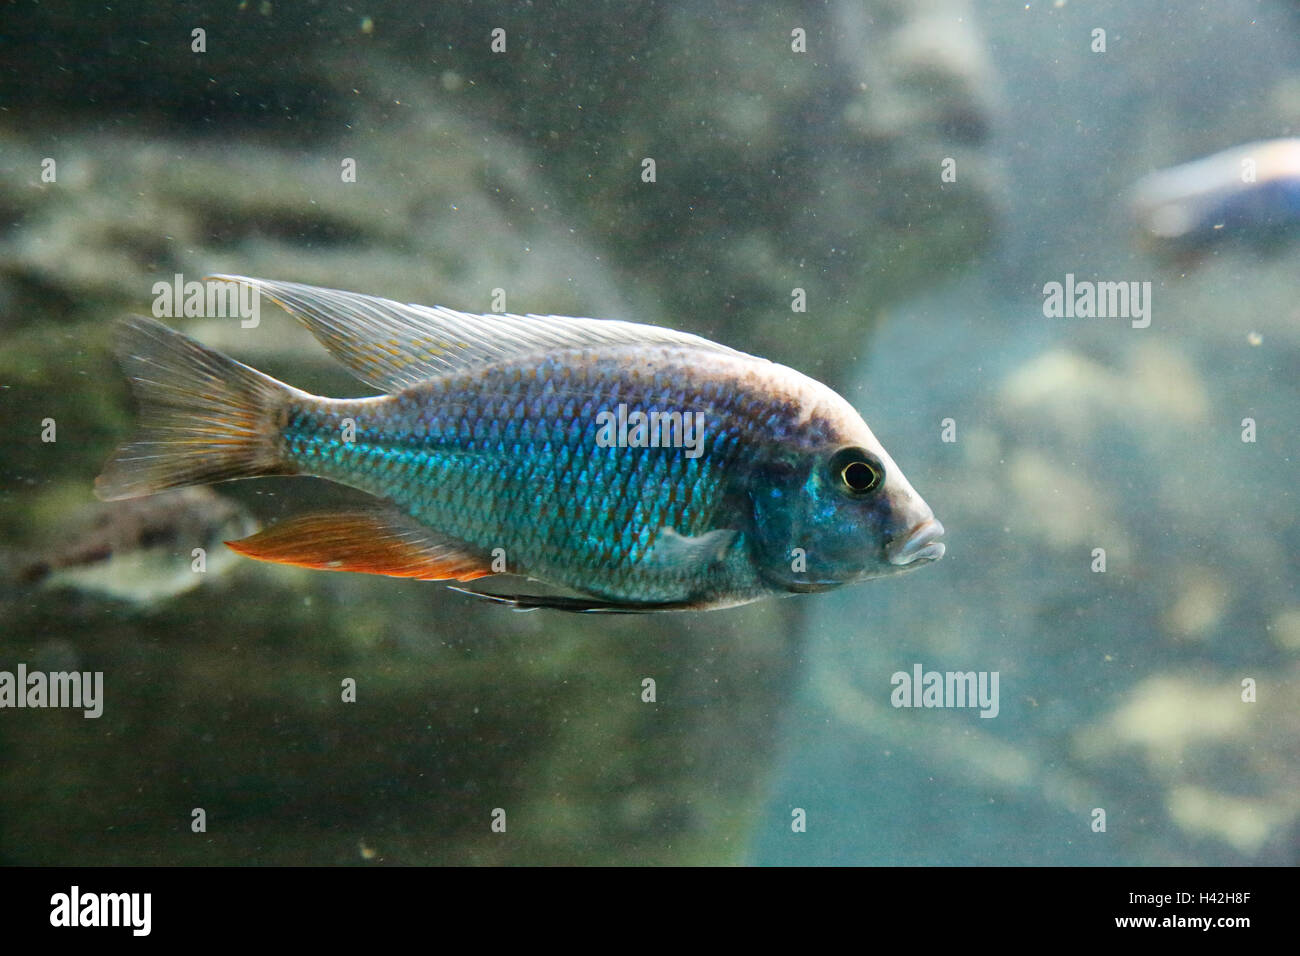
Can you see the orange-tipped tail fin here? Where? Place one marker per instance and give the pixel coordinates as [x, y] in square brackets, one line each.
[204, 417]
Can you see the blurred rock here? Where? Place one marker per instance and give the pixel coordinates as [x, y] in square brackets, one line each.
[1188, 732]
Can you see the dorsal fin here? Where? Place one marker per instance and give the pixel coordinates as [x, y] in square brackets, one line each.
[394, 346]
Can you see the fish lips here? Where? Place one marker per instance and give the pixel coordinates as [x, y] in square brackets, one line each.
[918, 546]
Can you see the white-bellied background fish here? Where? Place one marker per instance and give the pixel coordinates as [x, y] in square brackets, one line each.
[527, 444]
[140, 552]
[1249, 193]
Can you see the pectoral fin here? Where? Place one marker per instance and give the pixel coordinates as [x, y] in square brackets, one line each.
[679, 550]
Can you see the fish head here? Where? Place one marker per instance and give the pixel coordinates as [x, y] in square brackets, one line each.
[835, 508]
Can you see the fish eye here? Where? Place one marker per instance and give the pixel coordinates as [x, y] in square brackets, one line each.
[857, 471]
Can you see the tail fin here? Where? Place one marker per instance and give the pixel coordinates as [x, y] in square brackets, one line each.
[203, 417]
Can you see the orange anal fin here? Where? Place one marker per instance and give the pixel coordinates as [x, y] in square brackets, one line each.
[365, 542]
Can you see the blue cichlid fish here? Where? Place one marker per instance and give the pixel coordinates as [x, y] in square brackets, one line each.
[1249, 193]
[637, 468]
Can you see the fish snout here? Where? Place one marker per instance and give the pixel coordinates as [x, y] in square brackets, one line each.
[920, 543]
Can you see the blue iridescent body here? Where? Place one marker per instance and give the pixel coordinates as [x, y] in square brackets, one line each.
[509, 459]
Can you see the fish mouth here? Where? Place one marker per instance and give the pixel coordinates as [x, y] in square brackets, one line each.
[919, 545]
